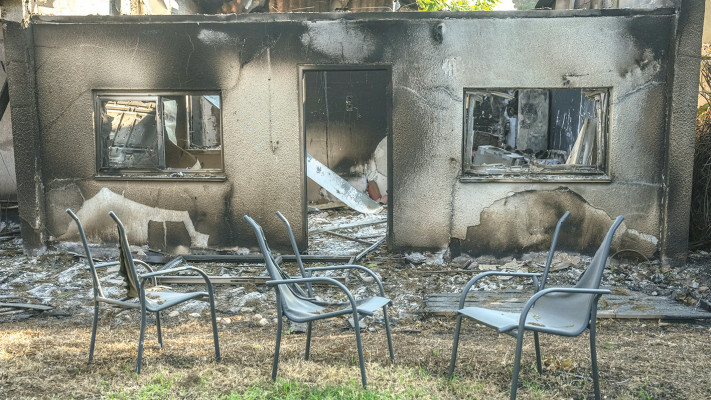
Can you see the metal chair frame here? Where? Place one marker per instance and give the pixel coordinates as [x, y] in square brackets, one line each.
[517, 330]
[300, 307]
[145, 304]
[308, 272]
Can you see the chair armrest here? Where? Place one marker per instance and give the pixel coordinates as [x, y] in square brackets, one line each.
[334, 282]
[472, 281]
[538, 295]
[351, 266]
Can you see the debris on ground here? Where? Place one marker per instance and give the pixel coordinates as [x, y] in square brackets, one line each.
[61, 280]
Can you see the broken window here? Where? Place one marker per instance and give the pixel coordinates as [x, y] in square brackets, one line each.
[510, 132]
[168, 134]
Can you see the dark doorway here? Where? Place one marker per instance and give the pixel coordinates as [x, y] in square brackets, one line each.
[346, 117]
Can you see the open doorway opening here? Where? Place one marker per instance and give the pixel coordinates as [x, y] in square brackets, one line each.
[346, 117]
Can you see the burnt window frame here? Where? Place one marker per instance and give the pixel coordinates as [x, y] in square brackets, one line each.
[167, 173]
[600, 172]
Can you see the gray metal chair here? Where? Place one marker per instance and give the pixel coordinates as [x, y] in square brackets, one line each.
[151, 299]
[559, 311]
[299, 306]
[307, 272]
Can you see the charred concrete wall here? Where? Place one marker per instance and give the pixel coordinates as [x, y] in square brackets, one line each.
[254, 61]
[8, 186]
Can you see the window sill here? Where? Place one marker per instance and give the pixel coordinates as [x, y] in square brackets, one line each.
[160, 177]
[527, 178]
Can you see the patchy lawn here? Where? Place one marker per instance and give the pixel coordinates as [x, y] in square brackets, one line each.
[45, 357]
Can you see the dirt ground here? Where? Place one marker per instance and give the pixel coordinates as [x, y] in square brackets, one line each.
[44, 354]
[46, 358]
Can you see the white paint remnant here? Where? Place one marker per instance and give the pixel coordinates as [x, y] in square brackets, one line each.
[646, 237]
[338, 39]
[213, 38]
[94, 215]
[449, 66]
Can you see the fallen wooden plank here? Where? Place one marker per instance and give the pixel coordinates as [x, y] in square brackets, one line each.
[349, 237]
[366, 251]
[3, 313]
[38, 307]
[317, 258]
[446, 271]
[329, 206]
[633, 306]
[351, 225]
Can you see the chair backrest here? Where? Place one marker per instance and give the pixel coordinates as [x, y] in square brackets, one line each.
[94, 277]
[128, 268]
[264, 247]
[274, 271]
[572, 310]
[296, 250]
[552, 250]
[590, 279]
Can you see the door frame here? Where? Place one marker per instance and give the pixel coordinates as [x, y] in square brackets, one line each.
[302, 69]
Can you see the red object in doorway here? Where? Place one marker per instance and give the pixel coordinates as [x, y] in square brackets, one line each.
[373, 190]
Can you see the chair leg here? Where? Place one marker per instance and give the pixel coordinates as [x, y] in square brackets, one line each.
[517, 364]
[455, 344]
[593, 356]
[539, 365]
[387, 332]
[140, 340]
[93, 332]
[215, 339]
[359, 344]
[160, 334]
[308, 340]
[278, 344]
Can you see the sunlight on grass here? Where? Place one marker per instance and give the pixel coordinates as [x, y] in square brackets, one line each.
[288, 390]
[50, 361]
[14, 343]
[157, 387]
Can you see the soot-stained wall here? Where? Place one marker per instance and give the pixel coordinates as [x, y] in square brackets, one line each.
[254, 60]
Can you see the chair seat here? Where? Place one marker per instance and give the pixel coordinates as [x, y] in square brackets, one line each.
[368, 305]
[160, 300]
[301, 310]
[535, 321]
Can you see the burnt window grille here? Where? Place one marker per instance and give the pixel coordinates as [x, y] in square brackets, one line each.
[166, 134]
[535, 132]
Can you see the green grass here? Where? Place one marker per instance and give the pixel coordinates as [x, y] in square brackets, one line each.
[157, 387]
[292, 390]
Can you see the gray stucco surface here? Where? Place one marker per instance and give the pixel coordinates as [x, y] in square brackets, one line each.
[254, 61]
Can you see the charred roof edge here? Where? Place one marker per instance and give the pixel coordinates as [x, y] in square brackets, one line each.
[334, 16]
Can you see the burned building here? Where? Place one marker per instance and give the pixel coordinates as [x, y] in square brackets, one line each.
[493, 123]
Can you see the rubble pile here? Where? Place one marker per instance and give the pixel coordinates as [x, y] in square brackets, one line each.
[60, 279]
